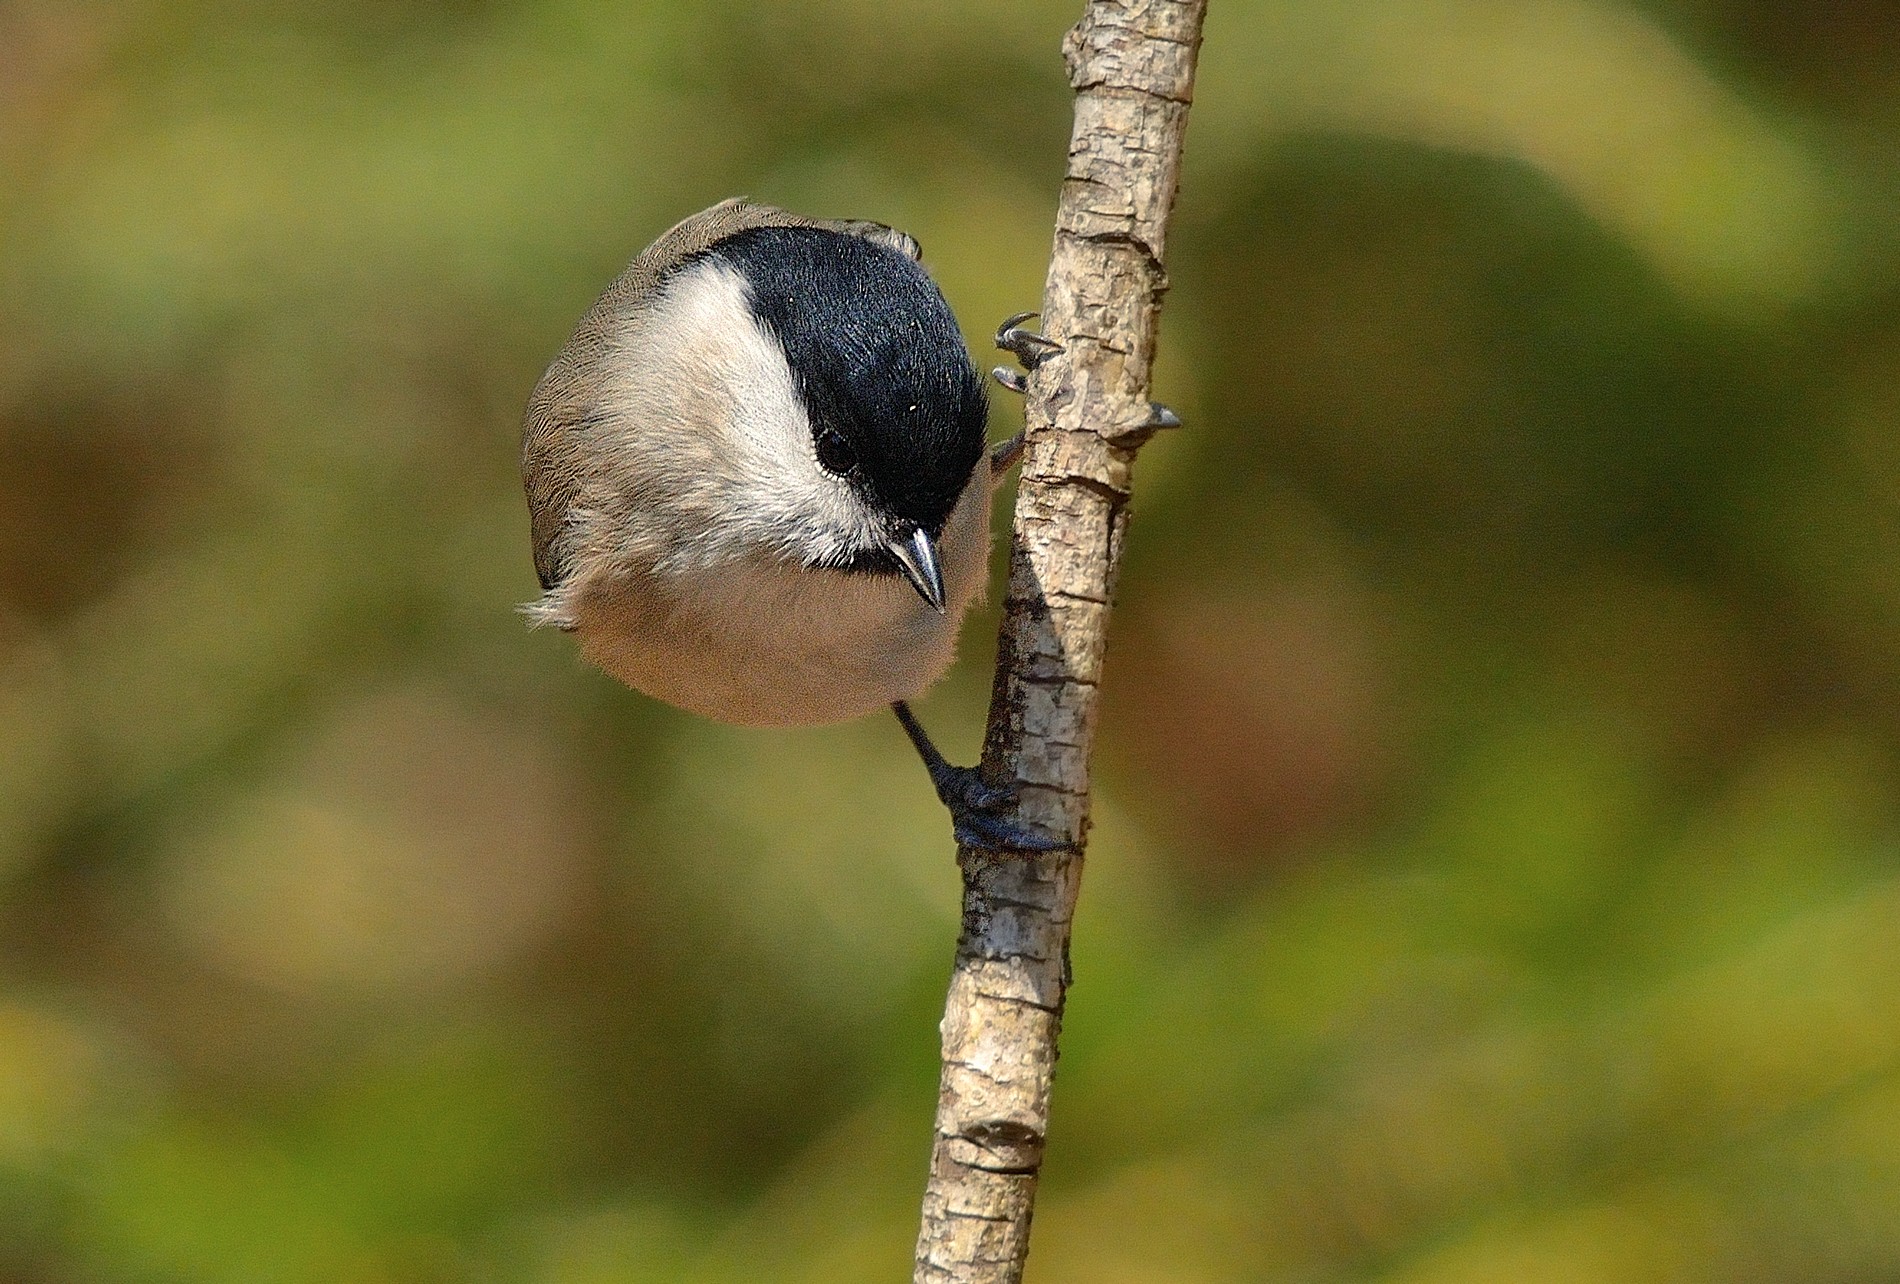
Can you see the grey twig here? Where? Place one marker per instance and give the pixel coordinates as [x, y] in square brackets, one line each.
[1131, 63]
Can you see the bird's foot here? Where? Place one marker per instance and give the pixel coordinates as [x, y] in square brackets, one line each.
[1028, 347]
[980, 813]
[1031, 349]
[979, 810]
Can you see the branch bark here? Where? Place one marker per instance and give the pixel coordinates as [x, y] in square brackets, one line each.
[1131, 63]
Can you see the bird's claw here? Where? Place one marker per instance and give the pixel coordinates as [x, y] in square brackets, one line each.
[1028, 347]
[1133, 435]
[978, 813]
[1031, 349]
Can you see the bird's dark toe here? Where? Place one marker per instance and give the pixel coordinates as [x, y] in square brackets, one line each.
[978, 809]
[1004, 454]
[1026, 346]
[978, 814]
[999, 833]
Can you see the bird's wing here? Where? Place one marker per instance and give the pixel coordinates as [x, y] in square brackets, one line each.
[560, 413]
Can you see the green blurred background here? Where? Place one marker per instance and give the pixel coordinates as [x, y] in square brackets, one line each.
[1496, 874]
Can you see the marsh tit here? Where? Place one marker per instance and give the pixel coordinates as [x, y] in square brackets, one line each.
[759, 481]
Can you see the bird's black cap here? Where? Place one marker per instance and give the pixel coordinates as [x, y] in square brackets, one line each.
[895, 404]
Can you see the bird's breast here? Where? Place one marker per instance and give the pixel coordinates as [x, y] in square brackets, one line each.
[765, 642]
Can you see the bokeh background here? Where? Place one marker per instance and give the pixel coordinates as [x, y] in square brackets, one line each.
[1497, 872]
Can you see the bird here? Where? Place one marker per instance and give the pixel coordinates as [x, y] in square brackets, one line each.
[759, 477]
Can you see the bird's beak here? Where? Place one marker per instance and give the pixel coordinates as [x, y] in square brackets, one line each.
[918, 556]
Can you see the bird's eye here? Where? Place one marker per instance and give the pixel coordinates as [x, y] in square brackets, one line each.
[834, 452]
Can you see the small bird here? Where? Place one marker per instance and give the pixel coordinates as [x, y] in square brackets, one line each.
[759, 481]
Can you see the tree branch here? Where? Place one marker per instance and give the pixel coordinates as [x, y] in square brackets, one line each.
[1131, 63]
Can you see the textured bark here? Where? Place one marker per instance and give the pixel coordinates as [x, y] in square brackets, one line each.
[1131, 63]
